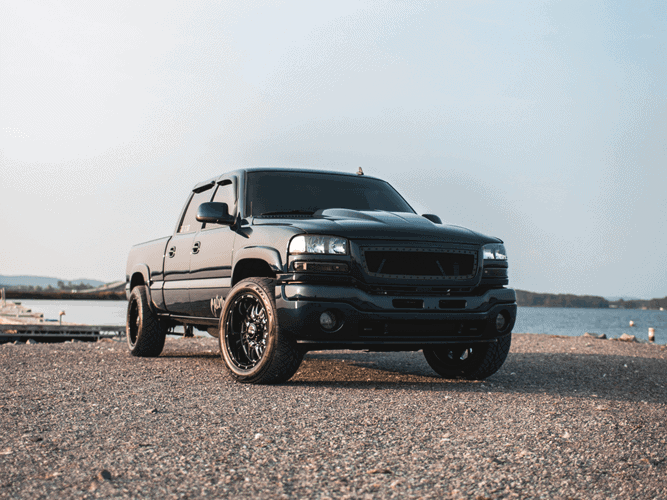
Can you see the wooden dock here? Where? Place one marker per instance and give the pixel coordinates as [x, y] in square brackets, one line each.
[20, 324]
[45, 332]
[14, 311]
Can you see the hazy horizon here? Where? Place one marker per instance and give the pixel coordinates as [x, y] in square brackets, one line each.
[543, 124]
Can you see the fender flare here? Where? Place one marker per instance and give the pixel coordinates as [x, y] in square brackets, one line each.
[267, 254]
[145, 273]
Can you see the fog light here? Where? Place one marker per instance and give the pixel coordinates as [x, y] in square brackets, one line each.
[501, 322]
[328, 320]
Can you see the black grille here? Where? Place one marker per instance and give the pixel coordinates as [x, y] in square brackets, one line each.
[420, 264]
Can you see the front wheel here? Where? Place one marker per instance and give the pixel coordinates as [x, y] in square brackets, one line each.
[254, 348]
[469, 361]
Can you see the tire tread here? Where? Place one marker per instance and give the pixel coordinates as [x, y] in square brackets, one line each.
[151, 335]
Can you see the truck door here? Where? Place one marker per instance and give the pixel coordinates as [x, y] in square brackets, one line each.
[211, 263]
[177, 258]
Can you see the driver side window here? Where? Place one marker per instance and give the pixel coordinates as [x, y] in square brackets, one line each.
[224, 194]
[190, 224]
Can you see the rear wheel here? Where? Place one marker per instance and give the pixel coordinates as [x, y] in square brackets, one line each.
[253, 346]
[145, 334]
[469, 361]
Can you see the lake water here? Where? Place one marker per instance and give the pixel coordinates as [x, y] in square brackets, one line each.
[551, 320]
[88, 312]
[574, 322]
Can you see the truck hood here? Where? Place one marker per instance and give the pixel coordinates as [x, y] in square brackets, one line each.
[356, 224]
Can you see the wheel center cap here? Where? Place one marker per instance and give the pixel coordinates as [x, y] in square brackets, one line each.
[252, 329]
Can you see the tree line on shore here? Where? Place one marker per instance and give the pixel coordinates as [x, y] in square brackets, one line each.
[61, 286]
[532, 299]
[51, 293]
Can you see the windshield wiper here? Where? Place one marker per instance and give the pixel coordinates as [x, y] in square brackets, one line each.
[291, 212]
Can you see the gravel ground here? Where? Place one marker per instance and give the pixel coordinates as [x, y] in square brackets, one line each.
[564, 418]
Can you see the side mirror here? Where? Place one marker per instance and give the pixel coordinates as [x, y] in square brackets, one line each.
[216, 213]
[432, 217]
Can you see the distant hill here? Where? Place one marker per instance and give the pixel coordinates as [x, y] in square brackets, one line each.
[524, 298]
[43, 281]
[532, 299]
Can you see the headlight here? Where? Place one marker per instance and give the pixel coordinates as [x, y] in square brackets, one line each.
[331, 245]
[494, 251]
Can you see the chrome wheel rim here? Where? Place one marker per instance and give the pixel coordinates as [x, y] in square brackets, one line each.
[246, 331]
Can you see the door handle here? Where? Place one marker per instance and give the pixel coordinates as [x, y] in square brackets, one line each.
[172, 252]
[196, 247]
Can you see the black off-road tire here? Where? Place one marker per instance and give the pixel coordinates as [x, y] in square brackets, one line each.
[469, 361]
[280, 358]
[145, 334]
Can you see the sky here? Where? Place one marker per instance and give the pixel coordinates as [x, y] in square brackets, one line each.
[542, 123]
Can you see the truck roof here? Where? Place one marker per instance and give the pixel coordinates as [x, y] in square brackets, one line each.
[241, 171]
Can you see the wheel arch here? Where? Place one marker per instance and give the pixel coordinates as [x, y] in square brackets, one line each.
[256, 262]
[140, 276]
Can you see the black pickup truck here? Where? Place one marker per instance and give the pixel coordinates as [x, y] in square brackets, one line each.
[277, 262]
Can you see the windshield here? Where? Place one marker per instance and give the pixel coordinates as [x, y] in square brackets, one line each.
[277, 193]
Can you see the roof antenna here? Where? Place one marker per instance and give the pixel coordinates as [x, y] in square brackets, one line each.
[360, 172]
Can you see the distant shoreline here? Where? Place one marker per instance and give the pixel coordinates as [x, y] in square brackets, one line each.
[21, 294]
[532, 299]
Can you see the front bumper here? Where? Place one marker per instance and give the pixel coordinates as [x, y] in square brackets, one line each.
[378, 322]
